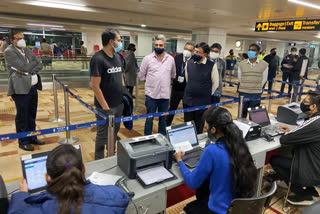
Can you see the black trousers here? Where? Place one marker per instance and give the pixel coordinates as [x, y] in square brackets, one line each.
[130, 89]
[196, 116]
[285, 76]
[176, 97]
[26, 106]
[282, 166]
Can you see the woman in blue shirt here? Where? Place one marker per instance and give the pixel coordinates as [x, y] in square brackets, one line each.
[68, 191]
[227, 164]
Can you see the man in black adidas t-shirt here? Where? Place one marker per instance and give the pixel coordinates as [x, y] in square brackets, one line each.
[107, 81]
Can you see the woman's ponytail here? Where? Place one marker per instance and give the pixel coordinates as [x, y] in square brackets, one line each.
[64, 166]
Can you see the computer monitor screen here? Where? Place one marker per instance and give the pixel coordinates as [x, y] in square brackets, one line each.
[185, 132]
[259, 116]
[35, 170]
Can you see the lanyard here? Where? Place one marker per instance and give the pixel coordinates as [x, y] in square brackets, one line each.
[182, 68]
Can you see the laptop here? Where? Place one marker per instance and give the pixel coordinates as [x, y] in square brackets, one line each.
[183, 137]
[260, 116]
[34, 170]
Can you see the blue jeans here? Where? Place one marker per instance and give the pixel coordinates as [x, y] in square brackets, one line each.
[152, 105]
[249, 104]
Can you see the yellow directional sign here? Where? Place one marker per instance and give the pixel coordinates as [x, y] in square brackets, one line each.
[265, 26]
[288, 25]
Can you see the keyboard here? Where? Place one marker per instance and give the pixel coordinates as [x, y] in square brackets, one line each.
[192, 157]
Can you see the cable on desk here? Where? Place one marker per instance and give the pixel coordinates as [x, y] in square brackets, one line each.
[109, 168]
[135, 206]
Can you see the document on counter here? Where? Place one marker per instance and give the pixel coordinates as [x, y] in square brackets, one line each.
[103, 179]
[154, 175]
[243, 127]
[183, 146]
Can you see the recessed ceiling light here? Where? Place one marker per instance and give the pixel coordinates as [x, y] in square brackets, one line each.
[57, 29]
[61, 5]
[45, 25]
[305, 4]
[8, 26]
[143, 25]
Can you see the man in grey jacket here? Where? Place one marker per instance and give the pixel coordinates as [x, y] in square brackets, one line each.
[221, 65]
[23, 82]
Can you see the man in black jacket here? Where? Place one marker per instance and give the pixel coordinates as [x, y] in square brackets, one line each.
[287, 65]
[296, 73]
[179, 83]
[303, 168]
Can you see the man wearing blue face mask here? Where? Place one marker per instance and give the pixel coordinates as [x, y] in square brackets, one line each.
[252, 75]
[202, 78]
[107, 81]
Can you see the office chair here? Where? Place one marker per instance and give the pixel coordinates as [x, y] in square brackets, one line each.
[256, 205]
[4, 203]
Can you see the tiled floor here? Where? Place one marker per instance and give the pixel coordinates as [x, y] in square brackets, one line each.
[10, 167]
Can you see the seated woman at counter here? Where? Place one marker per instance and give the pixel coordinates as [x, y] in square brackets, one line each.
[227, 165]
[67, 190]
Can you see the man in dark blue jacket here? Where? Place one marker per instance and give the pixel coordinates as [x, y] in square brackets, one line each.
[297, 73]
[179, 83]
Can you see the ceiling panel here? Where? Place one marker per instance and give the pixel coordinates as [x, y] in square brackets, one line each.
[235, 16]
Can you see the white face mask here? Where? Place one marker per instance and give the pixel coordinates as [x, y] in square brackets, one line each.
[186, 53]
[21, 43]
[294, 53]
[214, 55]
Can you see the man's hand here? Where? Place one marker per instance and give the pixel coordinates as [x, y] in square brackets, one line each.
[284, 128]
[178, 155]
[106, 108]
[23, 186]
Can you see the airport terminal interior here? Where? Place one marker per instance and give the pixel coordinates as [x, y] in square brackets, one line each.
[69, 27]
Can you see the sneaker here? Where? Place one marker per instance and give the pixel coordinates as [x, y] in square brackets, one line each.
[304, 200]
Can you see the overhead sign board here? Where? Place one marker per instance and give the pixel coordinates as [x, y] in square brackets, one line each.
[288, 25]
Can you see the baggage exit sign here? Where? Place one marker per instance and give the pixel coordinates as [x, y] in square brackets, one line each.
[288, 25]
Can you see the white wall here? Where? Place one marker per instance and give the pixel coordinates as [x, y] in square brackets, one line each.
[180, 45]
[144, 44]
[90, 39]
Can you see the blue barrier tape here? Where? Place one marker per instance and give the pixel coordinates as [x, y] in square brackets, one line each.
[232, 83]
[159, 114]
[51, 130]
[311, 79]
[61, 83]
[87, 105]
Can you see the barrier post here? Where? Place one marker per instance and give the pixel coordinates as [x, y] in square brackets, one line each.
[137, 94]
[291, 95]
[271, 94]
[298, 91]
[111, 135]
[56, 118]
[68, 139]
[240, 106]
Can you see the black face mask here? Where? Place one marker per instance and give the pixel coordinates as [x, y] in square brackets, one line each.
[133, 49]
[231, 53]
[159, 50]
[304, 108]
[196, 57]
[274, 53]
[211, 136]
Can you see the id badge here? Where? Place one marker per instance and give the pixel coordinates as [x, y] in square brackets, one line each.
[180, 79]
[231, 64]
